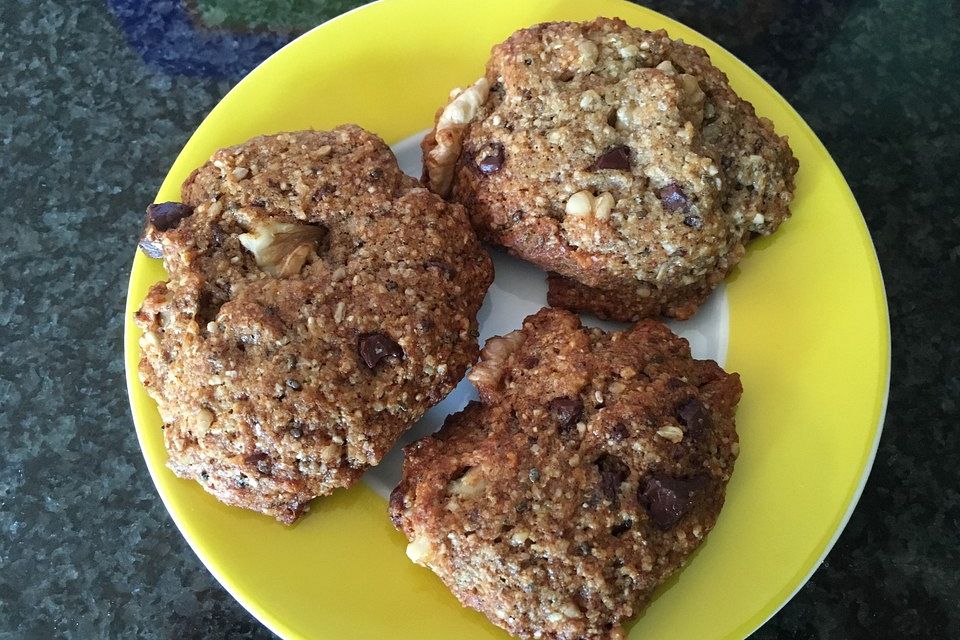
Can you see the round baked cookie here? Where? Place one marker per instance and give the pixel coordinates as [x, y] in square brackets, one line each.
[592, 467]
[319, 302]
[617, 158]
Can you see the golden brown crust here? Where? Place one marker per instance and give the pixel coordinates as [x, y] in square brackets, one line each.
[617, 157]
[591, 469]
[319, 302]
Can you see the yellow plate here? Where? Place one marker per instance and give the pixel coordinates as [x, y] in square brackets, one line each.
[808, 332]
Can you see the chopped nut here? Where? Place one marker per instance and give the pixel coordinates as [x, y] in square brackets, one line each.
[470, 485]
[487, 372]
[588, 98]
[589, 52]
[448, 135]
[667, 67]
[570, 611]
[203, 420]
[420, 550]
[580, 204]
[330, 453]
[603, 206]
[338, 312]
[693, 97]
[671, 432]
[583, 203]
[240, 173]
[280, 248]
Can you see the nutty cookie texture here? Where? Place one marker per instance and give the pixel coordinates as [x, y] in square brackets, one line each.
[592, 467]
[617, 159]
[319, 302]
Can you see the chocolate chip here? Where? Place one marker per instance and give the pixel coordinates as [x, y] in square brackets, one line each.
[390, 285]
[397, 506]
[462, 471]
[492, 161]
[694, 416]
[566, 411]
[261, 461]
[293, 384]
[673, 197]
[621, 528]
[445, 268]
[296, 433]
[376, 174]
[612, 473]
[530, 362]
[668, 499]
[534, 475]
[617, 157]
[566, 76]
[218, 236]
[374, 347]
[424, 325]
[167, 215]
[695, 222]
[618, 432]
[323, 191]
[522, 506]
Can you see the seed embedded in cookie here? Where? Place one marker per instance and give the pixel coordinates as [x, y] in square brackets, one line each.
[319, 302]
[554, 513]
[616, 158]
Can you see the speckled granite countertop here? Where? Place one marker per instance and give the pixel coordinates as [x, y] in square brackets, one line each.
[97, 98]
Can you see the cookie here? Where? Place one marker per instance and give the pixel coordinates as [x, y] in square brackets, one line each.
[616, 158]
[319, 302]
[592, 467]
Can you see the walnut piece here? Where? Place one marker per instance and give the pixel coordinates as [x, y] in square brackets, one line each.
[281, 248]
[448, 135]
[471, 485]
[486, 374]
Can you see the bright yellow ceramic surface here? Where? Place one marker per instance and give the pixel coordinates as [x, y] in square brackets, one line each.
[808, 334]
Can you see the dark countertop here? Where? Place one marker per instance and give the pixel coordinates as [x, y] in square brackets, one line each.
[97, 98]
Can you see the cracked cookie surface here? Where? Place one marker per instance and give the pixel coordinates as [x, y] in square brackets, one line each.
[617, 159]
[593, 466]
[319, 302]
